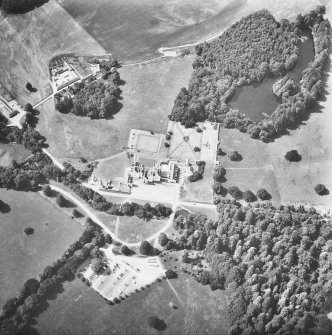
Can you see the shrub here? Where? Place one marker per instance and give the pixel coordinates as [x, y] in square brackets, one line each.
[320, 189]
[126, 251]
[29, 231]
[47, 190]
[199, 130]
[76, 213]
[234, 156]
[170, 274]
[263, 194]
[168, 137]
[293, 156]
[167, 145]
[197, 149]
[60, 200]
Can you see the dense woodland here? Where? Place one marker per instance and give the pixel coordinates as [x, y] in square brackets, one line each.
[92, 98]
[254, 48]
[274, 264]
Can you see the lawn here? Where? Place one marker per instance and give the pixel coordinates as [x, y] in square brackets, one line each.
[255, 170]
[112, 167]
[22, 256]
[10, 151]
[29, 41]
[200, 190]
[132, 229]
[148, 97]
[80, 310]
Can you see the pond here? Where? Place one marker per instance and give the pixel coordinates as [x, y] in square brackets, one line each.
[255, 101]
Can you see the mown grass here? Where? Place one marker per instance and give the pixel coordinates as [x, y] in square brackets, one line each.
[21, 256]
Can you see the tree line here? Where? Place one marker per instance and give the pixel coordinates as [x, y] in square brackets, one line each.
[39, 169]
[18, 312]
[252, 49]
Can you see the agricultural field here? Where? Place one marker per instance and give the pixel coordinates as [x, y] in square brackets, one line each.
[149, 23]
[10, 151]
[21, 256]
[200, 190]
[80, 310]
[29, 41]
[148, 95]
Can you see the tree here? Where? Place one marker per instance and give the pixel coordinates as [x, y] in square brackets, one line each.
[47, 190]
[163, 239]
[29, 231]
[29, 87]
[97, 265]
[167, 145]
[170, 274]
[263, 194]
[218, 188]
[28, 107]
[249, 196]
[168, 137]
[235, 192]
[197, 149]
[156, 323]
[60, 200]
[146, 249]
[320, 189]
[219, 173]
[234, 156]
[76, 213]
[293, 156]
[126, 251]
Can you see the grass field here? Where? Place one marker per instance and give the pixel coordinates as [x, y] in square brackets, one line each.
[22, 256]
[12, 151]
[200, 190]
[148, 97]
[113, 167]
[133, 229]
[80, 310]
[30, 40]
[149, 23]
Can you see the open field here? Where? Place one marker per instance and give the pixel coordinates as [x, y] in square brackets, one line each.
[22, 256]
[9, 151]
[112, 167]
[200, 190]
[133, 229]
[80, 310]
[29, 41]
[149, 23]
[148, 96]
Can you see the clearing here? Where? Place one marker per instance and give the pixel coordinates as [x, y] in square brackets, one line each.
[148, 97]
[23, 256]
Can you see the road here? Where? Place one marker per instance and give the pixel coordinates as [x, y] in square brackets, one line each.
[94, 218]
[54, 160]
